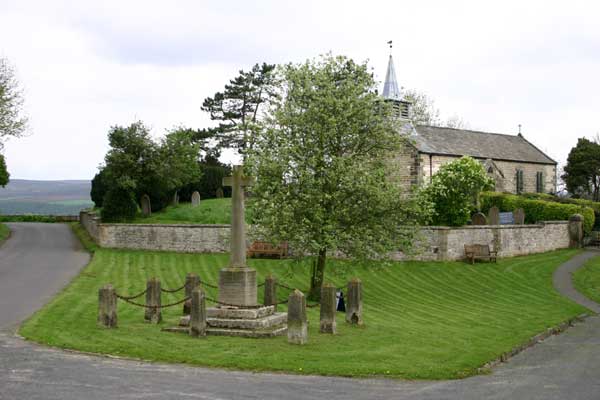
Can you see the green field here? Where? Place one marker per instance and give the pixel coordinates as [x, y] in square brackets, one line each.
[424, 320]
[587, 279]
[210, 211]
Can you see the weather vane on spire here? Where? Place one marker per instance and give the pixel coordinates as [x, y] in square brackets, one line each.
[390, 43]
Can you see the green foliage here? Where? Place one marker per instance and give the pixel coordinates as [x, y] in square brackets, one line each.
[322, 168]
[12, 121]
[4, 232]
[136, 163]
[211, 180]
[538, 210]
[84, 237]
[424, 320]
[454, 191]
[99, 187]
[4, 175]
[119, 205]
[594, 205]
[238, 107]
[31, 218]
[210, 211]
[582, 172]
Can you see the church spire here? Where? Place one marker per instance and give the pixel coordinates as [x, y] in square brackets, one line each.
[391, 91]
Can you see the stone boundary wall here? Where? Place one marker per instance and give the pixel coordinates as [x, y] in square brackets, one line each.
[441, 243]
[433, 243]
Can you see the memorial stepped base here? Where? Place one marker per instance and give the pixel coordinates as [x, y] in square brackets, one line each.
[228, 321]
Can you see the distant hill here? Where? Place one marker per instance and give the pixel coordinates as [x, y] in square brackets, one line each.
[23, 196]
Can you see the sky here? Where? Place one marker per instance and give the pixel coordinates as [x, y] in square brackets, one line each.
[88, 65]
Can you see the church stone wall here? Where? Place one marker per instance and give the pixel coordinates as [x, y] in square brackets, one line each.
[447, 244]
[508, 168]
[431, 244]
[405, 168]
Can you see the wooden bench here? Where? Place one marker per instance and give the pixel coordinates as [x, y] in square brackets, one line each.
[266, 249]
[479, 251]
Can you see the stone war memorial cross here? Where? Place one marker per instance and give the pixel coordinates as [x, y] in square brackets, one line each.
[237, 282]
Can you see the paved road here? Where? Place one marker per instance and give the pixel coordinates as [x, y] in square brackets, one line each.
[562, 367]
[35, 263]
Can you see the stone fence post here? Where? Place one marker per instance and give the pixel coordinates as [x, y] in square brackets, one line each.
[198, 313]
[191, 282]
[297, 322]
[153, 314]
[107, 307]
[576, 231]
[270, 297]
[354, 302]
[328, 309]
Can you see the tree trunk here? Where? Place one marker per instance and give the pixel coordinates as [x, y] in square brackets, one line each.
[318, 273]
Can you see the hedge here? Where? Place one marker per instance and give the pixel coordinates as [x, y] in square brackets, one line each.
[538, 210]
[594, 205]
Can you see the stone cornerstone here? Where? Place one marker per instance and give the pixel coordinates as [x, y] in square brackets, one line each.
[433, 243]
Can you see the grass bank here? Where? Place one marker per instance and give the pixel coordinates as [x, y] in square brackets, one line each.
[4, 233]
[587, 279]
[210, 211]
[423, 320]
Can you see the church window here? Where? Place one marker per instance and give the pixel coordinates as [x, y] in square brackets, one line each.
[519, 181]
[539, 182]
[490, 170]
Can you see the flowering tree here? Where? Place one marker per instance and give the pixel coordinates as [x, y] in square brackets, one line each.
[454, 190]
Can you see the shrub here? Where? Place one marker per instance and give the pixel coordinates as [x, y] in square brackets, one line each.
[594, 205]
[119, 205]
[454, 191]
[211, 180]
[538, 210]
[99, 188]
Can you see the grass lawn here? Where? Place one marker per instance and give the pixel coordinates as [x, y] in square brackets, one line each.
[587, 279]
[210, 211]
[423, 320]
[4, 233]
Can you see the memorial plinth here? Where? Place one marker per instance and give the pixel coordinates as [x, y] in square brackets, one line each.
[239, 313]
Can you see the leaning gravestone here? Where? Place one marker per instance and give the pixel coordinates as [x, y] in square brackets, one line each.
[478, 219]
[146, 205]
[519, 214]
[494, 216]
[195, 199]
[219, 193]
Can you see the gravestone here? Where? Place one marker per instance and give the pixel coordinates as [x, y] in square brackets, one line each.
[519, 214]
[195, 199]
[219, 193]
[296, 318]
[327, 314]
[478, 219]
[494, 216]
[354, 304]
[507, 218]
[175, 201]
[146, 205]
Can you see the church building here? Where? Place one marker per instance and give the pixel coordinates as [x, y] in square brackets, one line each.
[516, 164]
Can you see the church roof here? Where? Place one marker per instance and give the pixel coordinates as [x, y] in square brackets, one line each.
[462, 142]
[391, 91]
